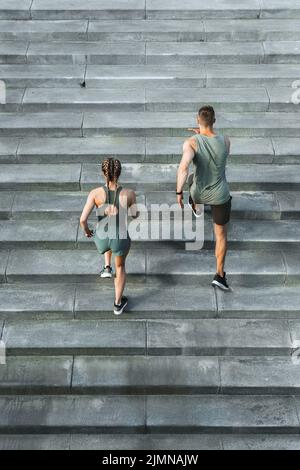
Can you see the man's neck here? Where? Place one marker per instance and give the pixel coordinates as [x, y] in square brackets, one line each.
[208, 131]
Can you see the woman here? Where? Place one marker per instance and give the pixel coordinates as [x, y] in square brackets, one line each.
[110, 198]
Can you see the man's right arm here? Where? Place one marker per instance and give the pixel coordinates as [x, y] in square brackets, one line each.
[183, 169]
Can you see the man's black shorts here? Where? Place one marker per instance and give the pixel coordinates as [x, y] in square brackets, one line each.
[221, 213]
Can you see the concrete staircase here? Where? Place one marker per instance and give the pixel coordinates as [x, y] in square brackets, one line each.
[186, 367]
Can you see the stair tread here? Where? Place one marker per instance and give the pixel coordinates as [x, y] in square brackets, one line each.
[180, 413]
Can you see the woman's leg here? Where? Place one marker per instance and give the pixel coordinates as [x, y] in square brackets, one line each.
[107, 258]
[120, 278]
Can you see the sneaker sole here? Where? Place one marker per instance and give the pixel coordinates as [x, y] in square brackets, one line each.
[196, 215]
[119, 312]
[218, 284]
[106, 276]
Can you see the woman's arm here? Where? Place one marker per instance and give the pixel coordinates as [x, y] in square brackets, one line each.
[132, 207]
[89, 206]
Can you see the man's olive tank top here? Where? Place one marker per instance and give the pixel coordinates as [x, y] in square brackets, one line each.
[210, 185]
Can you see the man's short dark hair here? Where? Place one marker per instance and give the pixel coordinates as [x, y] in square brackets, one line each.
[207, 115]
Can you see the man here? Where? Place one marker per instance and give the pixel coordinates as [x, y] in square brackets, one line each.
[208, 185]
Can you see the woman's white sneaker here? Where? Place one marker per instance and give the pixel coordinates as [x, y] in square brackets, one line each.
[106, 273]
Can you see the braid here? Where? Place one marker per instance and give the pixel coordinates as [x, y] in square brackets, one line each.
[111, 169]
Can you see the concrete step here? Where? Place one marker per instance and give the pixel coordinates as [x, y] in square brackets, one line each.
[154, 177]
[141, 124]
[40, 302]
[138, 375]
[210, 75]
[50, 205]
[155, 266]
[63, 234]
[177, 99]
[190, 30]
[165, 124]
[65, 414]
[144, 441]
[15, 9]
[46, 9]
[117, 53]
[70, 30]
[63, 9]
[152, 53]
[28, 75]
[143, 178]
[276, 99]
[167, 337]
[138, 149]
[223, 9]
[193, 53]
[150, 76]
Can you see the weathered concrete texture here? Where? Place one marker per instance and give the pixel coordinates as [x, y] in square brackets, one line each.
[286, 150]
[74, 337]
[35, 442]
[170, 124]
[39, 124]
[36, 375]
[36, 301]
[292, 259]
[145, 374]
[148, 302]
[265, 233]
[282, 52]
[252, 30]
[75, 30]
[284, 99]
[56, 99]
[226, 337]
[118, 53]
[47, 205]
[289, 203]
[195, 9]
[63, 413]
[143, 75]
[15, 9]
[42, 75]
[244, 266]
[254, 375]
[280, 8]
[145, 442]
[13, 99]
[251, 75]
[71, 150]
[183, 99]
[94, 9]
[58, 266]
[279, 302]
[222, 413]
[29, 234]
[13, 52]
[203, 53]
[146, 30]
[40, 177]
[4, 255]
[6, 202]
[8, 149]
[255, 205]
[261, 442]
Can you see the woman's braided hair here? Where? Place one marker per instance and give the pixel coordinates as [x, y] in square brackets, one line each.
[111, 169]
